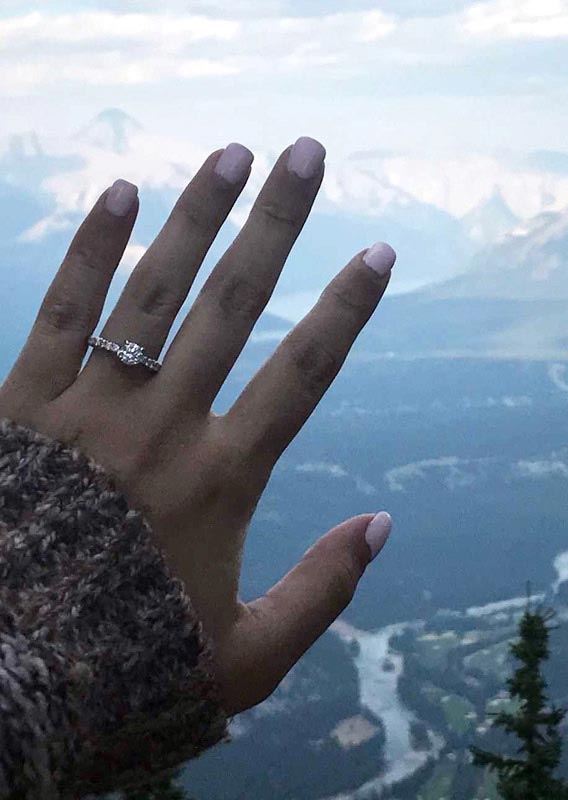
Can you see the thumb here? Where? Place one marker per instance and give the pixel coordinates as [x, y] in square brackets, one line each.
[304, 603]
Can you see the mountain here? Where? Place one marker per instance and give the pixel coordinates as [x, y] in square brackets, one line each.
[553, 161]
[45, 195]
[491, 220]
[510, 303]
[112, 130]
[531, 263]
[26, 164]
[461, 286]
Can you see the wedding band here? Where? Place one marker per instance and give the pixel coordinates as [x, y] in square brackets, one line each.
[129, 353]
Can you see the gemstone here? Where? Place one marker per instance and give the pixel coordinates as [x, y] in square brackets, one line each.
[130, 353]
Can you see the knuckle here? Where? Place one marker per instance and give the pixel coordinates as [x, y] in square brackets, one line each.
[194, 213]
[343, 582]
[317, 366]
[158, 300]
[354, 304]
[61, 313]
[85, 259]
[276, 212]
[242, 297]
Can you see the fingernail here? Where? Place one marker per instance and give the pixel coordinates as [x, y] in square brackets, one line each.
[121, 197]
[234, 162]
[380, 257]
[378, 532]
[306, 157]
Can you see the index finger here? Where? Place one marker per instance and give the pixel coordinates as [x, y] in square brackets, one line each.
[54, 350]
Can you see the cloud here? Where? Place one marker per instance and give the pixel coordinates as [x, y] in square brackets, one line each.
[105, 29]
[50, 224]
[323, 467]
[516, 402]
[131, 257]
[561, 567]
[452, 470]
[364, 487]
[518, 19]
[501, 606]
[557, 374]
[460, 182]
[106, 48]
[542, 469]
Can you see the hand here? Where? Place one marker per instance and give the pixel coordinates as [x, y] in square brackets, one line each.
[198, 476]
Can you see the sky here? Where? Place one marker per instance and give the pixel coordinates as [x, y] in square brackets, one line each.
[412, 76]
[427, 108]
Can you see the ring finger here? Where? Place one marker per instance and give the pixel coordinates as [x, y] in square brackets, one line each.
[159, 284]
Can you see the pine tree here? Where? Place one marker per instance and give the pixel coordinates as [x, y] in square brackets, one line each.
[536, 724]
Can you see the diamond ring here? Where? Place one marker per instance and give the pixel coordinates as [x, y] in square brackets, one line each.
[129, 353]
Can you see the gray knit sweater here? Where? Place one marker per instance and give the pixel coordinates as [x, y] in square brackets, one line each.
[105, 674]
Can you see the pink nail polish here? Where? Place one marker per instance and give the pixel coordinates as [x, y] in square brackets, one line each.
[234, 162]
[306, 157]
[378, 532]
[380, 257]
[121, 197]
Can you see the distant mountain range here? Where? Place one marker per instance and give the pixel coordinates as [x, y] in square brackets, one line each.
[529, 263]
[487, 283]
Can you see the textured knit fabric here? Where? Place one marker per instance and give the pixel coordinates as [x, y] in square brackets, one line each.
[105, 674]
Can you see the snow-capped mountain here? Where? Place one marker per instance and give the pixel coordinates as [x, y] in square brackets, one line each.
[530, 263]
[492, 251]
[112, 130]
[491, 220]
[357, 203]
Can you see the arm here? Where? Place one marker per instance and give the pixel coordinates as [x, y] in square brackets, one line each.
[105, 675]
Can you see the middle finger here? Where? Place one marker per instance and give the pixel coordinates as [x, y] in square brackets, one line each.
[234, 295]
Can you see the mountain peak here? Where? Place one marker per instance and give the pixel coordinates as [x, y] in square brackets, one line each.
[528, 264]
[491, 220]
[111, 130]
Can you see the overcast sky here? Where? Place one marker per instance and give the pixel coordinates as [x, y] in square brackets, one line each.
[396, 75]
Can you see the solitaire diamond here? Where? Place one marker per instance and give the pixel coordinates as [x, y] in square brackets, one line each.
[131, 353]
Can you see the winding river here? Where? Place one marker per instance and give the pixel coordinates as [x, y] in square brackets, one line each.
[378, 693]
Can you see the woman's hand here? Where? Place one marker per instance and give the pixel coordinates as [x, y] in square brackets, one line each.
[195, 475]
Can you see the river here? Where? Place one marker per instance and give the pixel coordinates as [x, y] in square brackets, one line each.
[378, 693]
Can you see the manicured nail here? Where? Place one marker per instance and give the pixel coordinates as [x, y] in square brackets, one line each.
[378, 532]
[234, 162]
[306, 157]
[121, 197]
[380, 257]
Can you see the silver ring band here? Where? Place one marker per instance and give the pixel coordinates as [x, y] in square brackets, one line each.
[129, 353]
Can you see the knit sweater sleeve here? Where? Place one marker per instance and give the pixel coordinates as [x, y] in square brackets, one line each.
[105, 673]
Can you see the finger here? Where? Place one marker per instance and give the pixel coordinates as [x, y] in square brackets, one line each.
[54, 351]
[284, 392]
[299, 608]
[233, 297]
[159, 284]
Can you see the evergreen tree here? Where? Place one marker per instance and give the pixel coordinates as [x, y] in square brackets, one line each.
[536, 724]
